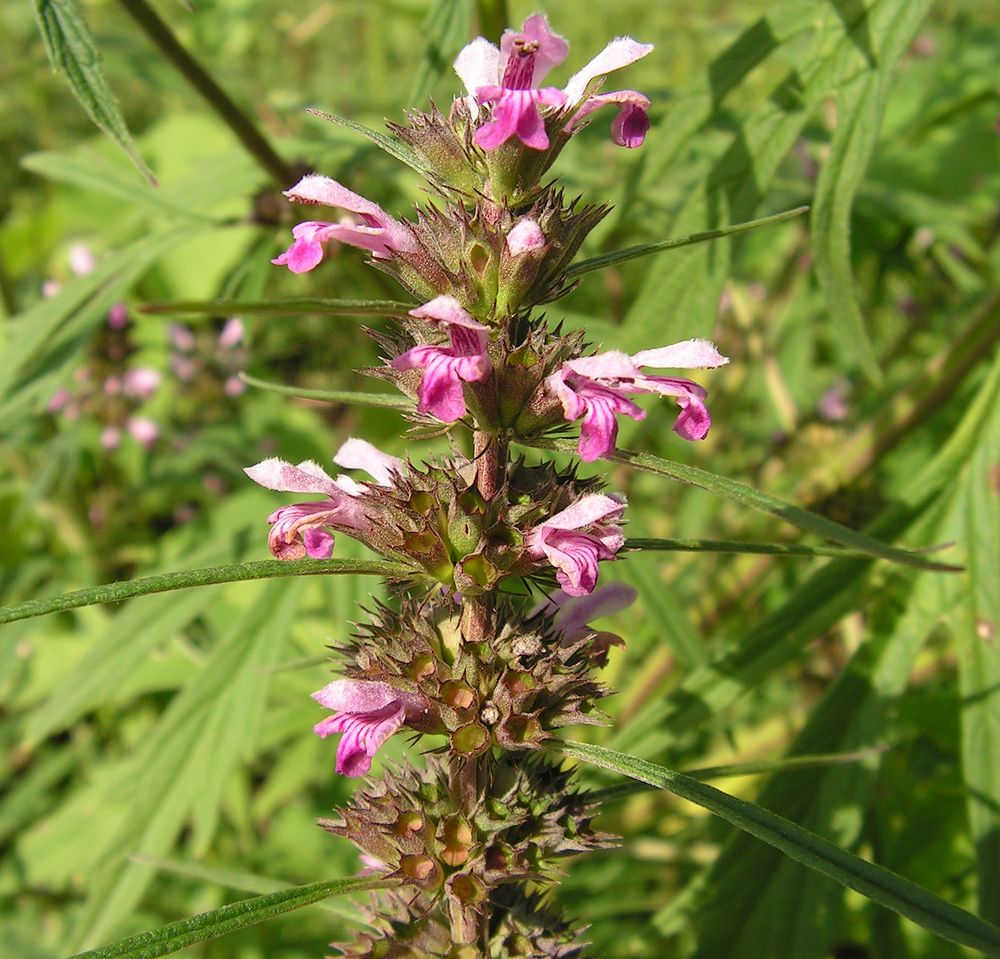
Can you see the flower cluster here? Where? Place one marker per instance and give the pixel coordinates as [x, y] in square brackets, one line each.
[109, 390]
[466, 654]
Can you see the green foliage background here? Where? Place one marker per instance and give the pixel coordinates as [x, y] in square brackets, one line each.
[157, 756]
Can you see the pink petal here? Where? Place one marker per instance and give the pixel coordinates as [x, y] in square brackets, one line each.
[446, 309]
[307, 477]
[360, 454]
[619, 53]
[611, 365]
[144, 431]
[552, 48]
[588, 509]
[232, 333]
[573, 614]
[688, 354]
[630, 125]
[355, 695]
[477, 65]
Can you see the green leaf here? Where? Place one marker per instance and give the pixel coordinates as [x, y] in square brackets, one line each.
[645, 249]
[755, 499]
[729, 770]
[860, 108]
[293, 306]
[180, 770]
[872, 881]
[390, 144]
[389, 401]
[447, 27]
[219, 922]
[185, 579]
[39, 338]
[733, 546]
[976, 639]
[73, 53]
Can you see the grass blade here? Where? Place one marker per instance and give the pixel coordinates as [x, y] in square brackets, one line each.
[185, 579]
[872, 881]
[219, 922]
[71, 50]
[645, 249]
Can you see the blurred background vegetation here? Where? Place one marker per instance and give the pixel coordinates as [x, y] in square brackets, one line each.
[157, 757]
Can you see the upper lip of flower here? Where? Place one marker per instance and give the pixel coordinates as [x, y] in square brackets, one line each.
[506, 74]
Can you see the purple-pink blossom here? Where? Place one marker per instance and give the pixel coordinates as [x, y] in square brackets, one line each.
[366, 714]
[509, 77]
[303, 529]
[597, 389]
[446, 368]
[376, 232]
[575, 540]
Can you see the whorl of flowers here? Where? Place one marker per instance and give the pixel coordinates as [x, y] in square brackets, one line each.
[466, 655]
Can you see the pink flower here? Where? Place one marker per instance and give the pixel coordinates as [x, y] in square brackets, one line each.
[367, 714]
[181, 337]
[143, 431]
[630, 126]
[231, 334]
[301, 529]
[81, 259]
[60, 400]
[234, 386]
[509, 77]
[575, 540]
[597, 389]
[571, 615]
[377, 231]
[465, 361]
[118, 316]
[141, 382]
[110, 438]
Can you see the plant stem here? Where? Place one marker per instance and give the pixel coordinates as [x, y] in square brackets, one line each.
[157, 30]
[493, 18]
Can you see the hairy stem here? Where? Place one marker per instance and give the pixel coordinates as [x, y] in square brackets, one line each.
[157, 30]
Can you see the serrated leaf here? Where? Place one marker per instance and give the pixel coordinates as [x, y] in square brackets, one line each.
[872, 881]
[219, 922]
[209, 576]
[71, 50]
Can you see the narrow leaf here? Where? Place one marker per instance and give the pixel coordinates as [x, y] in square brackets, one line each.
[71, 50]
[755, 499]
[214, 575]
[733, 546]
[446, 27]
[872, 881]
[391, 145]
[219, 922]
[389, 401]
[305, 306]
[860, 107]
[645, 249]
[758, 768]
